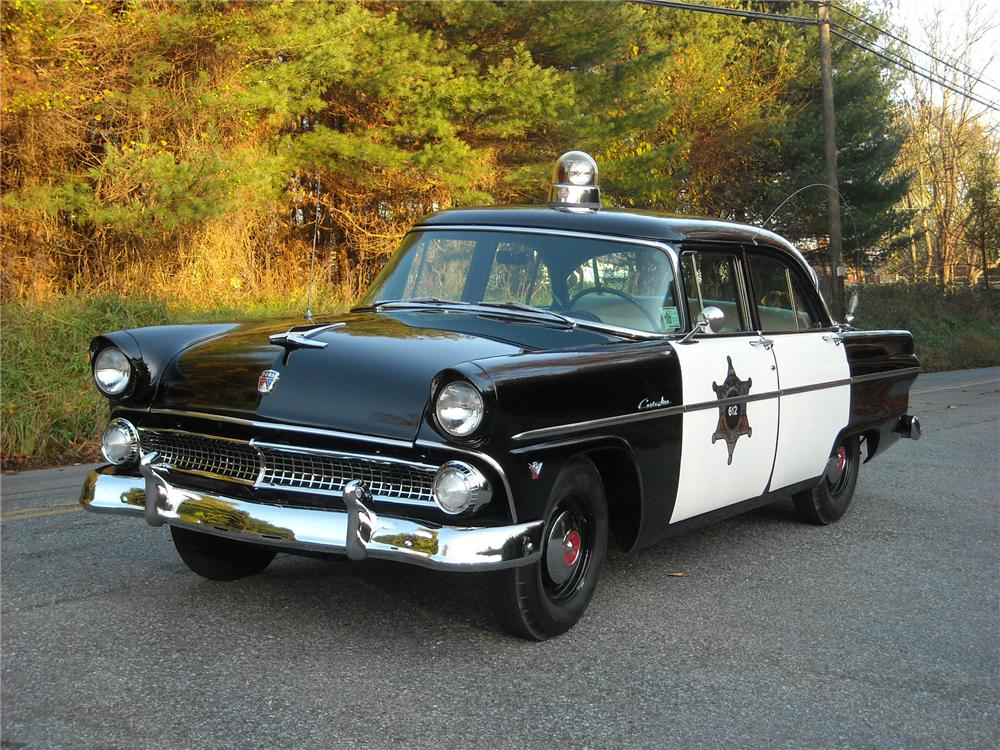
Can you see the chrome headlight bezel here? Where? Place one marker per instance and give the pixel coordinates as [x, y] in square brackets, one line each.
[130, 440]
[110, 360]
[454, 399]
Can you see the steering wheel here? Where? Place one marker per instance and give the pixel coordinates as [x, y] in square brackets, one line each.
[614, 292]
[776, 299]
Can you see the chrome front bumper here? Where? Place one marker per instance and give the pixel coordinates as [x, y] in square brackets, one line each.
[357, 532]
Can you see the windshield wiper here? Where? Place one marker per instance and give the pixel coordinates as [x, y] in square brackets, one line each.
[415, 302]
[520, 306]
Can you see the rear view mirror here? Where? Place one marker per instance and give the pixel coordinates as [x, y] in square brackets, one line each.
[511, 256]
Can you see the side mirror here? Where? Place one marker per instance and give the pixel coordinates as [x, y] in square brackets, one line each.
[709, 319]
[713, 318]
[852, 307]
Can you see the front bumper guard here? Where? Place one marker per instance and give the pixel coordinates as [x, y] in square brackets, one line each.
[357, 531]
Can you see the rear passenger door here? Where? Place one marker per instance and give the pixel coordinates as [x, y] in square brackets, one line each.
[813, 375]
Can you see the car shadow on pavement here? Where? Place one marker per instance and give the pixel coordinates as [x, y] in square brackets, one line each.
[315, 593]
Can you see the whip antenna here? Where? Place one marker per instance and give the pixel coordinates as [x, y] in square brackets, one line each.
[312, 258]
[850, 213]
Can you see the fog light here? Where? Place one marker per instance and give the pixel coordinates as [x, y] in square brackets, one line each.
[120, 442]
[459, 487]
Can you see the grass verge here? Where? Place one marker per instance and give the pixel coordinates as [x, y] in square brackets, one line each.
[51, 413]
[954, 330]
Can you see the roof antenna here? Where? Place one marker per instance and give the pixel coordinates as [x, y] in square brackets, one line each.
[312, 258]
[847, 205]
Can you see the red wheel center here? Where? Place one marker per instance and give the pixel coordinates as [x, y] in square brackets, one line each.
[841, 459]
[571, 546]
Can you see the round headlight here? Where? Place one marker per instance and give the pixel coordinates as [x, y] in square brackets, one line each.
[459, 408]
[458, 487]
[112, 371]
[120, 442]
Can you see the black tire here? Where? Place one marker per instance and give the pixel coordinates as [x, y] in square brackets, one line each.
[829, 500]
[218, 558]
[535, 601]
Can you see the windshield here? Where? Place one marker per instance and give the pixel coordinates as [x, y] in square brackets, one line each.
[594, 280]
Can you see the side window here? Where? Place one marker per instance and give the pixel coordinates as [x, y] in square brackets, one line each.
[779, 296]
[712, 280]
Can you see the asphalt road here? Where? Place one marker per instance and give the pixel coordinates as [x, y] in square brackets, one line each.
[877, 632]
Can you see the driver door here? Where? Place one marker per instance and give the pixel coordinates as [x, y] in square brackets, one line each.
[730, 388]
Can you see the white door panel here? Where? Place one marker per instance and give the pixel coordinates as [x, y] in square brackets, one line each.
[810, 421]
[727, 452]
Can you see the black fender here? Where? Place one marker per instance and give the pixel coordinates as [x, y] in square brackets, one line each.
[615, 461]
[150, 350]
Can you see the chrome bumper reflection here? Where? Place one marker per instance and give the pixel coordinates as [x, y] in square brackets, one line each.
[357, 532]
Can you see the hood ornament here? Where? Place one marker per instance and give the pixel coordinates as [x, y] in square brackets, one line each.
[298, 337]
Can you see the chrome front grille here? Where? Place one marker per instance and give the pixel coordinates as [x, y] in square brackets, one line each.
[278, 467]
[289, 469]
[226, 459]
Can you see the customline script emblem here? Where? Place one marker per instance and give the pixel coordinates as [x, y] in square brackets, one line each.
[733, 422]
[267, 380]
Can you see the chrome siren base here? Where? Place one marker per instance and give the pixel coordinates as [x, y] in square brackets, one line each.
[357, 531]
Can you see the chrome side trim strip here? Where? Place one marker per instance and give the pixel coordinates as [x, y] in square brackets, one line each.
[887, 374]
[455, 548]
[815, 387]
[493, 463]
[558, 430]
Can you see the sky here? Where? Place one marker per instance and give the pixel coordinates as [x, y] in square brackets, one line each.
[914, 16]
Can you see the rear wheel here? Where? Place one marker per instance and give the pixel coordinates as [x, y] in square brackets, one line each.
[218, 558]
[549, 596]
[829, 500]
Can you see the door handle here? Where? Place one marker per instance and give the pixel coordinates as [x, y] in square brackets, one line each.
[836, 338]
[766, 343]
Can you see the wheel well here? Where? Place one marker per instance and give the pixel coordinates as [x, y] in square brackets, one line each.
[623, 491]
[871, 438]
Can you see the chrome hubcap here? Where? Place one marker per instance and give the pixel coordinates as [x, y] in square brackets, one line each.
[838, 470]
[562, 548]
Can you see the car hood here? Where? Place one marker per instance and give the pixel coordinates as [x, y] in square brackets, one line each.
[373, 377]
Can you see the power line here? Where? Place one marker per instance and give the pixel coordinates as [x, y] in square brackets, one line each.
[730, 12]
[902, 61]
[960, 69]
[881, 52]
[907, 67]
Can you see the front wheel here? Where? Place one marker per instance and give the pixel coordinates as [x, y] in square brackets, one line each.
[217, 558]
[548, 597]
[829, 500]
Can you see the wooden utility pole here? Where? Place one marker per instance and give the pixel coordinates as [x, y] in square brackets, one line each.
[830, 149]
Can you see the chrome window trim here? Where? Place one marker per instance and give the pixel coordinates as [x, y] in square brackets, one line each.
[564, 429]
[621, 239]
